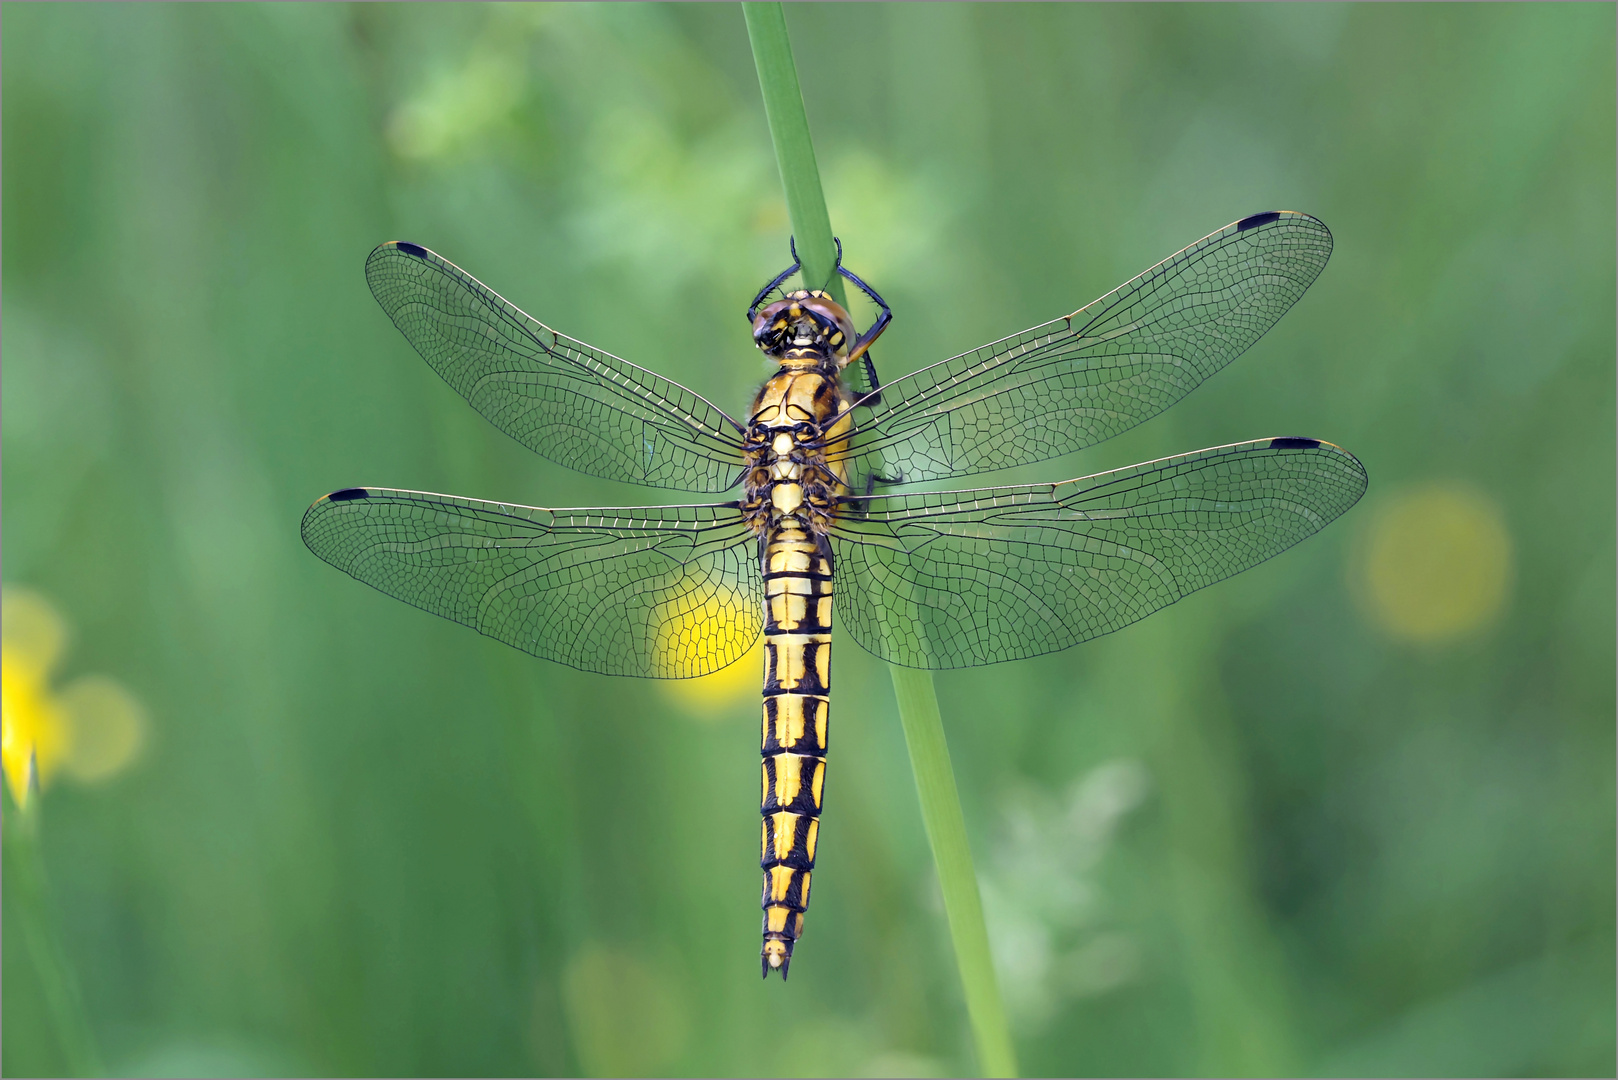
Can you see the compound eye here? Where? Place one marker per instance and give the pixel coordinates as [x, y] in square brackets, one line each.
[769, 335]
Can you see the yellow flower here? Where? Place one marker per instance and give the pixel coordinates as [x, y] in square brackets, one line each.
[1436, 563]
[718, 626]
[91, 729]
[707, 697]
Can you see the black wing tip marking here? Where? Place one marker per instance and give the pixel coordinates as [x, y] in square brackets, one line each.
[317, 511]
[1291, 217]
[1258, 219]
[1298, 442]
[408, 248]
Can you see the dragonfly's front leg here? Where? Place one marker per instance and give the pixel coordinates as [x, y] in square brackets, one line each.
[861, 352]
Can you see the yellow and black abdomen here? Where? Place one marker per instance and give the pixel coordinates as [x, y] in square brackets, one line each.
[797, 685]
[790, 499]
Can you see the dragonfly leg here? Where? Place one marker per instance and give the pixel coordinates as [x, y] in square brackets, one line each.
[861, 350]
[875, 396]
[861, 504]
[775, 282]
[873, 479]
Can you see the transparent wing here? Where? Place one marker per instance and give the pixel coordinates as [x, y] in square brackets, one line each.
[1078, 380]
[962, 578]
[561, 398]
[667, 592]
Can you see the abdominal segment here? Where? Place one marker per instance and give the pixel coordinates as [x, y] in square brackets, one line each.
[797, 667]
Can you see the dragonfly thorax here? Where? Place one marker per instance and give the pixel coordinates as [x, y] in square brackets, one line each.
[789, 472]
[806, 331]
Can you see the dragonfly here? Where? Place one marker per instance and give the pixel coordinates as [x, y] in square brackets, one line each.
[822, 474]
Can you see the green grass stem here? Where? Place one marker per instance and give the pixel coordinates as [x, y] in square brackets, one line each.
[794, 150]
[917, 698]
[946, 832]
[41, 936]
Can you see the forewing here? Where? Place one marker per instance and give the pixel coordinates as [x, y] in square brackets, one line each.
[1078, 380]
[962, 578]
[561, 398]
[665, 591]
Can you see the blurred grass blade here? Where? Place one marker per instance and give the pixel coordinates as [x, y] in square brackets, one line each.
[41, 934]
[946, 832]
[794, 150]
[918, 701]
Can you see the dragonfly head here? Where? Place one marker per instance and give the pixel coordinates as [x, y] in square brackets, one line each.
[805, 329]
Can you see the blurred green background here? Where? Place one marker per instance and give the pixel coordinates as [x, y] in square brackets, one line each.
[1350, 813]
